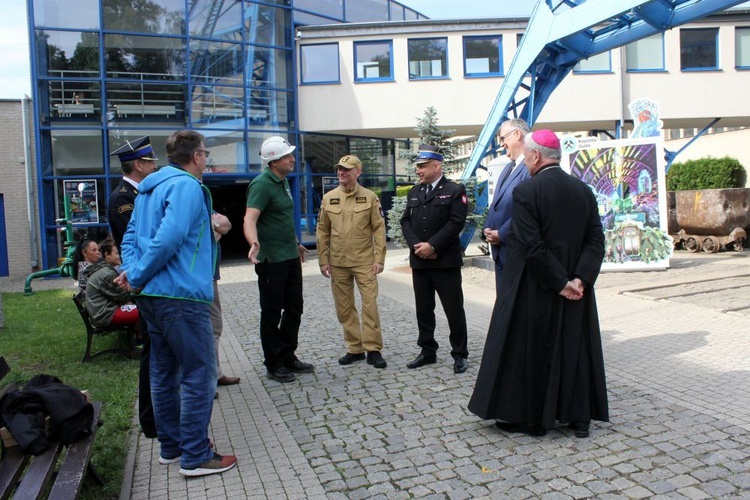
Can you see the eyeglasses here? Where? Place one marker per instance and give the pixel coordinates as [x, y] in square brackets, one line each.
[502, 137]
[208, 153]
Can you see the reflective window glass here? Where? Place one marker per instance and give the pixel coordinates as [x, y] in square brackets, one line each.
[428, 58]
[67, 54]
[358, 11]
[270, 67]
[71, 14]
[74, 152]
[483, 55]
[411, 15]
[268, 25]
[306, 19]
[162, 16]
[269, 108]
[144, 57]
[206, 21]
[742, 47]
[333, 8]
[599, 63]
[373, 153]
[70, 101]
[397, 12]
[228, 153]
[216, 104]
[320, 63]
[646, 54]
[373, 61]
[216, 62]
[145, 102]
[699, 49]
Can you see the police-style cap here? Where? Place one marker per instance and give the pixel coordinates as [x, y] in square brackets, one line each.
[428, 152]
[349, 162]
[137, 149]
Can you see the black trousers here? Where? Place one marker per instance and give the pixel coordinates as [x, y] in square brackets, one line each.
[447, 283]
[280, 290]
[145, 408]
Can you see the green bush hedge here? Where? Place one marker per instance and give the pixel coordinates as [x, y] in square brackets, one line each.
[706, 173]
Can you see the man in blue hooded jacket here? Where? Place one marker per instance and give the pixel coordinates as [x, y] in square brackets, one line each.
[168, 257]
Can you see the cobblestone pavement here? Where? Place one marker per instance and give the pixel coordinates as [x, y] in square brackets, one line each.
[677, 370]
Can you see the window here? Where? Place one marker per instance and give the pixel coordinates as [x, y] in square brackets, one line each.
[646, 54]
[362, 11]
[320, 63]
[483, 55]
[599, 63]
[699, 49]
[742, 47]
[373, 61]
[428, 58]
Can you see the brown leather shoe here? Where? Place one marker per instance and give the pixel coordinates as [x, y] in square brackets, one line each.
[224, 380]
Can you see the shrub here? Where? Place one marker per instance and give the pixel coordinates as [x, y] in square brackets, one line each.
[706, 173]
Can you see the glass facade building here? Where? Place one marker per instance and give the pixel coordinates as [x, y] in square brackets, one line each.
[108, 71]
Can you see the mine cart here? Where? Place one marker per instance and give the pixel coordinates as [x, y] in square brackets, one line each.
[709, 219]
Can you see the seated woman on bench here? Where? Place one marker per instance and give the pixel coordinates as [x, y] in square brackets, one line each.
[87, 253]
[106, 303]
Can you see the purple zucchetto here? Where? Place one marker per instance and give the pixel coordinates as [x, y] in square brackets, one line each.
[546, 138]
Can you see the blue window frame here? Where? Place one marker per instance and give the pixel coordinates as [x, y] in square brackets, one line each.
[373, 61]
[646, 54]
[742, 47]
[699, 49]
[483, 55]
[428, 58]
[319, 63]
[600, 63]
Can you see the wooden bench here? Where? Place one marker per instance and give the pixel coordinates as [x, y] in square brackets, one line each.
[23, 476]
[92, 331]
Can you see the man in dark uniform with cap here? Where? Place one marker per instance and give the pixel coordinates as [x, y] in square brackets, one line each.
[435, 214]
[138, 161]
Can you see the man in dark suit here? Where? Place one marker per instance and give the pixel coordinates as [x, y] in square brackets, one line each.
[497, 225]
[543, 360]
[138, 161]
[434, 217]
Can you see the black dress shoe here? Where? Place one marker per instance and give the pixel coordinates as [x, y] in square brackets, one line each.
[298, 366]
[460, 365]
[375, 359]
[531, 430]
[421, 360]
[581, 429]
[281, 374]
[350, 358]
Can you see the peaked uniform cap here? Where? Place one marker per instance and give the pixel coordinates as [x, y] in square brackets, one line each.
[428, 152]
[137, 149]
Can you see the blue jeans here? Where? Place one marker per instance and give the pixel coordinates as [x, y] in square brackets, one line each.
[183, 376]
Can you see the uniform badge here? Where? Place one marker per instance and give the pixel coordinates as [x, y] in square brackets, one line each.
[361, 199]
[464, 199]
[335, 201]
[125, 208]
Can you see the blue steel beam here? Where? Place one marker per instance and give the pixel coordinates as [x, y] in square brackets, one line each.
[560, 34]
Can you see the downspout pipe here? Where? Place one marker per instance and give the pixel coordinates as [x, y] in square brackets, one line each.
[25, 106]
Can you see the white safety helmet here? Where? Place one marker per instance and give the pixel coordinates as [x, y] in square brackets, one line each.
[274, 148]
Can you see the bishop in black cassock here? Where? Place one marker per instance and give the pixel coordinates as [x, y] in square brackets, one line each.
[543, 360]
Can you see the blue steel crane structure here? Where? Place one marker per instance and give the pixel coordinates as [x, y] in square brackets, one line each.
[561, 33]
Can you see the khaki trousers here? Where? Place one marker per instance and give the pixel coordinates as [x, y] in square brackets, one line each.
[367, 336]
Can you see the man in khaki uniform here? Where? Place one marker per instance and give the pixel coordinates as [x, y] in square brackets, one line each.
[351, 247]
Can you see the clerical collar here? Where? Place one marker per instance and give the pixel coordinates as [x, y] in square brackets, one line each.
[549, 167]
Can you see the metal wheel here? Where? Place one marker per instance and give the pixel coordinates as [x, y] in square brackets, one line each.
[711, 244]
[738, 245]
[692, 244]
